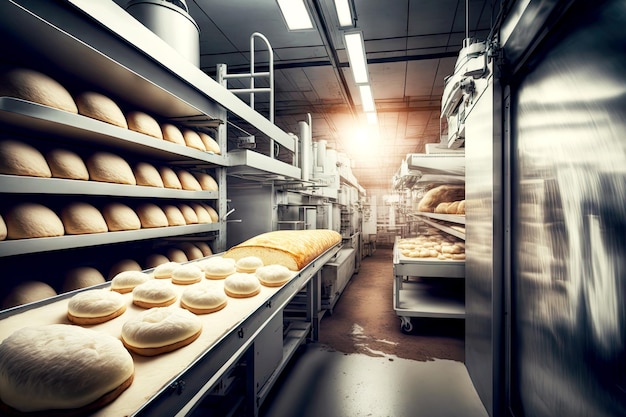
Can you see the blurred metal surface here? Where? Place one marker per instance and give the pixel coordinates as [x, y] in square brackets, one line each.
[568, 353]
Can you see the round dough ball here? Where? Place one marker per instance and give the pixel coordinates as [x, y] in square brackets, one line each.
[151, 216]
[125, 281]
[174, 215]
[192, 252]
[203, 298]
[160, 330]
[95, 306]
[205, 248]
[210, 144]
[67, 164]
[249, 264]
[124, 265]
[82, 277]
[188, 181]
[242, 285]
[28, 292]
[56, 367]
[172, 134]
[19, 158]
[188, 213]
[148, 175]
[177, 255]
[165, 270]
[187, 274]
[170, 179]
[273, 275]
[155, 259]
[207, 182]
[154, 293]
[108, 167]
[218, 267]
[31, 220]
[119, 216]
[36, 87]
[144, 123]
[100, 107]
[82, 218]
[203, 215]
[3, 229]
[192, 139]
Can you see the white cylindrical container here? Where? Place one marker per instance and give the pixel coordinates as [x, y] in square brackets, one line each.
[170, 21]
[305, 150]
[330, 167]
[321, 154]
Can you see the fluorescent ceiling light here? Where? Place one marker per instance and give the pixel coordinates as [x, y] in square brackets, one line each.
[356, 56]
[372, 118]
[343, 12]
[367, 100]
[296, 14]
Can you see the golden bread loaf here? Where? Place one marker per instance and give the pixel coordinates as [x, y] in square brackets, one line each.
[100, 107]
[440, 194]
[292, 248]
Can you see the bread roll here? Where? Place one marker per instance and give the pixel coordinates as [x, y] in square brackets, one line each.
[440, 194]
[108, 167]
[151, 216]
[62, 369]
[170, 179]
[143, 123]
[187, 274]
[192, 139]
[176, 255]
[452, 207]
[82, 218]
[188, 181]
[28, 292]
[442, 208]
[188, 213]
[19, 158]
[3, 229]
[461, 208]
[203, 298]
[95, 306]
[81, 277]
[249, 264]
[172, 134]
[164, 270]
[209, 143]
[31, 220]
[125, 281]
[119, 216]
[203, 215]
[206, 181]
[174, 215]
[242, 285]
[205, 248]
[155, 259]
[273, 275]
[214, 216]
[148, 175]
[124, 265]
[36, 87]
[192, 252]
[100, 107]
[292, 248]
[218, 268]
[67, 164]
[154, 293]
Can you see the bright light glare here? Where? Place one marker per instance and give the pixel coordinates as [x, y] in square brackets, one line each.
[372, 118]
[295, 14]
[356, 56]
[367, 100]
[343, 12]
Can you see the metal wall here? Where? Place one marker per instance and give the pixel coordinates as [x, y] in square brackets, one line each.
[568, 275]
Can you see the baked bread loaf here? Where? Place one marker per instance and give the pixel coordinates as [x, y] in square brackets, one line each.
[119, 216]
[203, 215]
[141, 122]
[440, 194]
[155, 259]
[100, 107]
[192, 139]
[292, 248]
[28, 292]
[165, 270]
[3, 229]
[218, 267]
[146, 174]
[82, 218]
[125, 281]
[248, 264]
[170, 179]
[188, 181]
[19, 158]
[82, 277]
[273, 275]
[442, 208]
[461, 208]
[174, 215]
[212, 212]
[95, 306]
[36, 87]
[204, 247]
[61, 369]
[210, 144]
[187, 274]
[207, 182]
[151, 216]
[203, 298]
[108, 167]
[188, 213]
[241, 285]
[172, 134]
[192, 252]
[160, 330]
[124, 265]
[32, 220]
[66, 164]
[154, 293]
[176, 255]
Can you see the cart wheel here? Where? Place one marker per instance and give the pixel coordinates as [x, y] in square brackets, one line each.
[405, 325]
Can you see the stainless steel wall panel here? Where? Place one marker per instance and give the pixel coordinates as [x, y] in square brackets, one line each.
[568, 327]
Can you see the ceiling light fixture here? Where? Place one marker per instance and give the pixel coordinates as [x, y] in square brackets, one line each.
[344, 13]
[295, 14]
[367, 100]
[356, 56]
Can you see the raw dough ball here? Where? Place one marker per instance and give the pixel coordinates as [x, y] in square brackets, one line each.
[82, 277]
[218, 267]
[125, 281]
[273, 275]
[170, 179]
[3, 229]
[19, 158]
[155, 259]
[192, 252]
[148, 175]
[100, 107]
[67, 164]
[205, 248]
[144, 123]
[165, 270]
[95, 306]
[82, 218]
[172, 134]
[151, 216]
[177, 255]
[154, 293]
[174, 215]
[108, 167]
[187, 274]
[119, 216]
[242, 285]
[31, 220]
[28, 292]
[249, 264]
[124, 265]
[203, 298]
[188, 213]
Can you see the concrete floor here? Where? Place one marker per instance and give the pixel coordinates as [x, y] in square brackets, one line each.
[324, 382]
